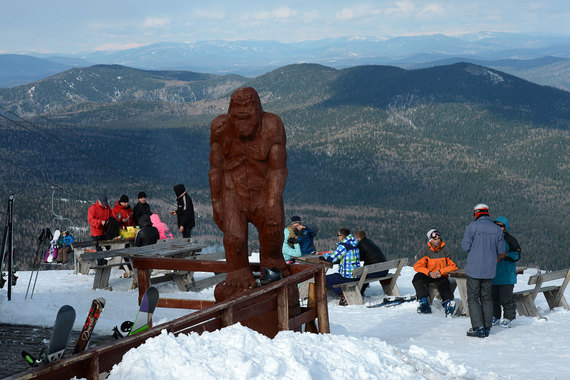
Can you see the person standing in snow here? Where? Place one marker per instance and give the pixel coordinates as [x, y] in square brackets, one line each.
[348, 257]
[141, 208]
[123, 213]
[484, 242]
[291, 247]
[305, 235]
[506, 278]
[97, 217]
[432, 267]
[184, 212]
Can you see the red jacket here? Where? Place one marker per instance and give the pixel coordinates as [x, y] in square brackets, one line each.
[96, 215]
[120, 213]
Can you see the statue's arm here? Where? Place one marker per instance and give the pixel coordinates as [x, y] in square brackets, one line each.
[216, 167]
[277, 160]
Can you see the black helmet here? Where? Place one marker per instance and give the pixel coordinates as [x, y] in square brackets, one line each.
[270, 275]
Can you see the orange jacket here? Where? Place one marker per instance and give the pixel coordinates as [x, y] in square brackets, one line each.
[432, 261]
[95, 216]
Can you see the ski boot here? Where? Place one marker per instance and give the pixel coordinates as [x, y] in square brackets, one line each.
[270, 275]
[478, 332]
[506, 323]
[449, 307]
[424, 307]
[496, 321]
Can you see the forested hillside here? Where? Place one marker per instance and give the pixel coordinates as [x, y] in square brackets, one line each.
[391, 151]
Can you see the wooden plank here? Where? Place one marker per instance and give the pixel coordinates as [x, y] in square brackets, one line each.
[549, 276]
[180, 264]
[177, 303]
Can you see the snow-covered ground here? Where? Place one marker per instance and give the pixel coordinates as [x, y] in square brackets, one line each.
[365, 343]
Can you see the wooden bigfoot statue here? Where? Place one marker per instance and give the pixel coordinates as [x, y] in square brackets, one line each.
[248, 169]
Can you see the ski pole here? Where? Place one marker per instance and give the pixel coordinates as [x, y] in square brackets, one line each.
[48, 237]
[41, 239]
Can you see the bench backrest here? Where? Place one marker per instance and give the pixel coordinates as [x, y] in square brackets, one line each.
[549, 276]
[387, 265]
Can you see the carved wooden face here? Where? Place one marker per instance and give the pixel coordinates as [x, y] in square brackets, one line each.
[245, 111]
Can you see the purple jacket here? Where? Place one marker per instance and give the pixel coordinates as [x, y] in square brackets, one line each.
[484, 241]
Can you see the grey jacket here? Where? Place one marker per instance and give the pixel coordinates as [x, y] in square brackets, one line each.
[484, 241]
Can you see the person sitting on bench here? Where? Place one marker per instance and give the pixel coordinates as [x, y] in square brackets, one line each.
[370, 253]
[432, 267]
[348, 257]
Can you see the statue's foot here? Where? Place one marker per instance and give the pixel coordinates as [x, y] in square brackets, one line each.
[236, 284]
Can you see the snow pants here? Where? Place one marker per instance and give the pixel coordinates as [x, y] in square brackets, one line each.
[480, 301]
[421, 282]
[503, 296]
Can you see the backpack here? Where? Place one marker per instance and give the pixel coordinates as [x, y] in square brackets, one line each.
[111, 229]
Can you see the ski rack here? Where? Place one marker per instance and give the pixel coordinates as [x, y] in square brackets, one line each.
[91, 363]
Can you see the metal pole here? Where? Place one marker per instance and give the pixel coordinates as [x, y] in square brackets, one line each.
[10, 245]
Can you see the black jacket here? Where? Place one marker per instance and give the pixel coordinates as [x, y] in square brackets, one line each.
[148, 234]
[185, 212]
[370, 253]
[139, 210]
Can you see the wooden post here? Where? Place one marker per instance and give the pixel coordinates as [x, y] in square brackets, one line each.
[283, 308]
[322, 306]
[143, 278]
[311, 326]
[93, 368]
[228, 316]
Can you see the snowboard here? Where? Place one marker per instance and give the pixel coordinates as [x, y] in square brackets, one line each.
[393, 301]
[144, 316]
[92, 317]
[59, 338]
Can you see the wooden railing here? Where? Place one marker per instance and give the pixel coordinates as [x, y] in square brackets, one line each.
[274, 296]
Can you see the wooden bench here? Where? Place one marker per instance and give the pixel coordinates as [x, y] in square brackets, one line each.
[434, 293]
[351, 290]
[102, 275]
[554, 294]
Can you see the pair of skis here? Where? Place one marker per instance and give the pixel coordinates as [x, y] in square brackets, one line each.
[393, 301]
[66, 318]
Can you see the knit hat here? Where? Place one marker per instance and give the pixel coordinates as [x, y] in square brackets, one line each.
[295, 219]
[103, 199]
[480, 210]
[179, 190]
[124, 198]
[433, 233]
[142, 194]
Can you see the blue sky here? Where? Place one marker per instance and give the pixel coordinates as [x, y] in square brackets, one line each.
[72, 26]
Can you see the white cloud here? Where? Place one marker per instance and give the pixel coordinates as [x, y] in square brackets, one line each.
[156, 22]
[118, 46]
[279, 13]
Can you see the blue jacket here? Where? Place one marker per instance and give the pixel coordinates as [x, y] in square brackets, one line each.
[306, 240]
[484, 241]
[507, 267]
[348, 254]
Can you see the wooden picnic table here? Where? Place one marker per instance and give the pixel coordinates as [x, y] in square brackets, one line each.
[175, 248]
[461, 280]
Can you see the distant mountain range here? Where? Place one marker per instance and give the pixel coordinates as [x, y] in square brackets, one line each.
[252, 58]
[380, 148]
